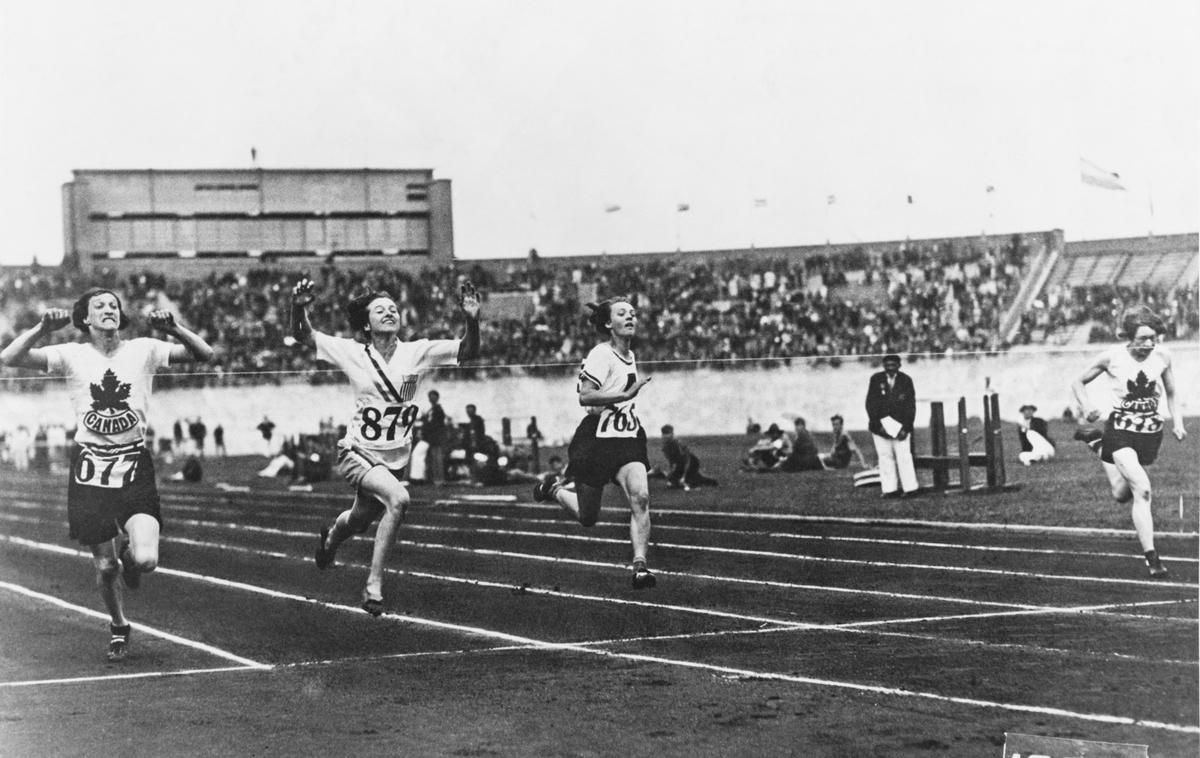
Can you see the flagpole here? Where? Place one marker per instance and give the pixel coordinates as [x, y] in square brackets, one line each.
[1150, 204]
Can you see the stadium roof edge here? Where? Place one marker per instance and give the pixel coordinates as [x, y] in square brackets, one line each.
[250, 169]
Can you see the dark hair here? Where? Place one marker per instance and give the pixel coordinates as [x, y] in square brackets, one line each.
[837, 417]
[356, 309]
[601, 313]
[79, 312]
[1138, 316]
[668, 429]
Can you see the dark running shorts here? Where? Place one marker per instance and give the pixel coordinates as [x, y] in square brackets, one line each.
[595, 462]
[102, 493]
[1146, 444]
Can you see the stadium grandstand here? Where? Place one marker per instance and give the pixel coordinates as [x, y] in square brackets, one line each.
[713, 308]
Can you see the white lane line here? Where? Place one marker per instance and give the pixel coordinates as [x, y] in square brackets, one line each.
[1157, 583]
[600, 564]
[825, 559]
[679, 663]
[142, 628]
[658, 528]
[864, 627]
[143, 675]
[833, 538]
[264, 498]
[867, 521]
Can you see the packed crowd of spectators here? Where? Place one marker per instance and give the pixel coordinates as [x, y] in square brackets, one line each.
[930, 297]
[1060, 308]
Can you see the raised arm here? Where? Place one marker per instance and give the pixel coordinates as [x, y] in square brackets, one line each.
[21, 351]
[192, 346]
[302, 296]
[468, 348]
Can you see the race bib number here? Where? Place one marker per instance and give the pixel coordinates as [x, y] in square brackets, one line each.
[110, 473]
[386, 424]
[618, 421]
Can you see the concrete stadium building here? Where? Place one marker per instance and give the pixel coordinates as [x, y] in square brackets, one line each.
[235, 219]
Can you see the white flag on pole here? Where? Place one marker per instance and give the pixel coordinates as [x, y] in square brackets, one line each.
[1090, 173]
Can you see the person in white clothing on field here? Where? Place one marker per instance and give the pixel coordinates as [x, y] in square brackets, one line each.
[1034, 436]
[384, 373]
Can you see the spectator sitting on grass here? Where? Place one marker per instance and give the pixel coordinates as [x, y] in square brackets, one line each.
[769, 453]
[684, 472]
[843, 447]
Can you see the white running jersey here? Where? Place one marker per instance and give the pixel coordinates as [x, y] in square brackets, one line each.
[612, 373]
[384, 411]
[109, 394]
[1136, 390]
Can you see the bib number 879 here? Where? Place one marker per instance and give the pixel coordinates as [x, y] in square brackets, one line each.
[376, 426]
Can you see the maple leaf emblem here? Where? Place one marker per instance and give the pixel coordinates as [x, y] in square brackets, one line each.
[110, 393]
[1140, 387]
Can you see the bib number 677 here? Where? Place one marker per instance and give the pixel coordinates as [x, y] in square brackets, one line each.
[106, 472]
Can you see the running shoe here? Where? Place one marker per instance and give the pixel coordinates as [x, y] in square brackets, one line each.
[642, 579]
[324, 556]
[118, 642]
[1157, 569]
[372, 605]
[543, 491]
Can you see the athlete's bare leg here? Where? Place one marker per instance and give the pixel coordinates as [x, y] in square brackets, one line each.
[1137, 485]
[382, 487]
[108, 575]
[583, 504]
[143, 531]
[633, 481]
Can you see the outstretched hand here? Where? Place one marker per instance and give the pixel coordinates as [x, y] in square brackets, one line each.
[468, 300]
[636, 387]
[303, 293]
[164, 321]
[55, 319]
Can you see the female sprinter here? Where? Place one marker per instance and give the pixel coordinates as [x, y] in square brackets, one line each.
[610, 444]
[112, 497]
[1133, 432]
[384, 372]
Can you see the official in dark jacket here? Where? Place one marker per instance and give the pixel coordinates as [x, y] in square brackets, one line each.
[891, 411]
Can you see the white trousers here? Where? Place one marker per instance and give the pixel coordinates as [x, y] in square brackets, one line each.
[896, 469]
[1042, 449]
[416, 461]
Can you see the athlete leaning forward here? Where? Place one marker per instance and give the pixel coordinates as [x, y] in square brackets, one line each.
[112, 497]
[384, 373]
[609, 445]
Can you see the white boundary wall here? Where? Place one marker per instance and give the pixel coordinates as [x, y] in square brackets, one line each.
[695, 402]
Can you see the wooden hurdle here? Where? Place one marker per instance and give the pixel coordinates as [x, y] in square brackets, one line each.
[941, 462]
